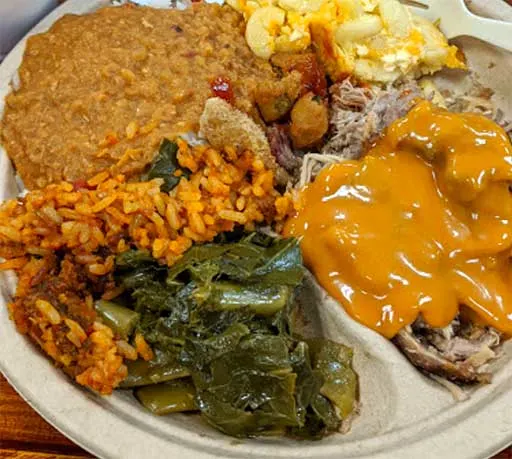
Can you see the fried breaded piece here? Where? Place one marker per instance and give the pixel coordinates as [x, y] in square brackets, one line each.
[223, 125]
[309, 121]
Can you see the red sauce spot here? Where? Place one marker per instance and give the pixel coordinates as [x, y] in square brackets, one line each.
[313, 76]
[111, 138]
[221, 87]
[81, 184]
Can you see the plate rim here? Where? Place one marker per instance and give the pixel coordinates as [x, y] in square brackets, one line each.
[95, 445]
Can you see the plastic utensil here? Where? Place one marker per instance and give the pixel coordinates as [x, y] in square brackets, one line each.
[456, 20]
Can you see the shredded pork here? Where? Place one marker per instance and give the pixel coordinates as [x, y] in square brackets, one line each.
[357, 117]
[281, 148]
[478, 100]
[458, 352]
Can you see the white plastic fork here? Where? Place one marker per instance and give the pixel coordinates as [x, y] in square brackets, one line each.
[456, 20]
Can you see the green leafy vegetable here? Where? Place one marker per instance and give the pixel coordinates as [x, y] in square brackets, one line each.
[334, 362]
[308, 383]
[318, 415]
[220, 318]
[134, 259]
[199, 353]
[136, 269]
[164, 165]
[253, 259]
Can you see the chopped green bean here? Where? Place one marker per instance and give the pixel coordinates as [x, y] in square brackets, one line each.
[161, 369]
[262, 299]
[171, 397]
[120, 319]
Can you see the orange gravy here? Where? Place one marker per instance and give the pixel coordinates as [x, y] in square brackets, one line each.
[422, 224]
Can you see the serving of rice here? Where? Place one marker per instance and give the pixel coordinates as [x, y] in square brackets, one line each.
[62, 241]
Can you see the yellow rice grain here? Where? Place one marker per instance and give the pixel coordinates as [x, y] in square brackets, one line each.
[195, 206]
[208, 219]
[240, 203]
[97, 269]
[258, 191]
[48, 311]
[159, 247]
[51, 214]
[76, 333]
[196, 223]
[131, 130]
[98, 326]
[171, 215]
[147, 128]
[142, 347]
[258, 165]
[189, 195]
[159, 203]
[85, 233]
[103, 204]
[10, 233]
[192, 235]
[126, 350]
[100, 269]
[231, 215]
[213, 157]
[98, 178]
[67, 187]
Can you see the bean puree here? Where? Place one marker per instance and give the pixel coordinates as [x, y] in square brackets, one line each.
[102, 90]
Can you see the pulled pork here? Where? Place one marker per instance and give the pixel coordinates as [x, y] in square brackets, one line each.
[281, 147]
[458, 352]
[358, 115]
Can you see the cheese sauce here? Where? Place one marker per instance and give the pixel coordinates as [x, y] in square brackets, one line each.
[422, 224]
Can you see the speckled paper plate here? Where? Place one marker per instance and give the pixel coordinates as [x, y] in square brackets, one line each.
[403, 413]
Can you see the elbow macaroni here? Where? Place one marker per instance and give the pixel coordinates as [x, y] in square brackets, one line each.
[377, 41]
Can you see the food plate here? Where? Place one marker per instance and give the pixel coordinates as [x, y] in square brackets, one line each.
[403, 413]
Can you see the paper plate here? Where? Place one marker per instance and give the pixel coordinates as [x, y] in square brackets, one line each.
[403, 413]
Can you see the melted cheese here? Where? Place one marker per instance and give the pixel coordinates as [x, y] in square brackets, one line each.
[422, 224]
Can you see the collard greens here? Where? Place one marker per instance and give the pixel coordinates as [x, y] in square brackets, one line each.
[164, 165]
[219, 321]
